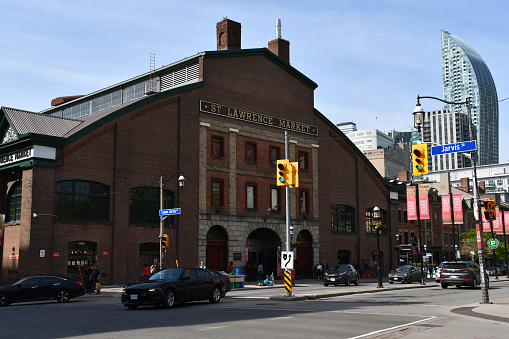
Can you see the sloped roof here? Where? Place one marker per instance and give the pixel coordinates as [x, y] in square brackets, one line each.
[25, 122]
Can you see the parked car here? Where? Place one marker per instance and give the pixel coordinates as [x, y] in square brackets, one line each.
[405, 274]
[461, 273]
[341, 274]
[437, 271]
[177, 285]
[42, 287]
[502, 269]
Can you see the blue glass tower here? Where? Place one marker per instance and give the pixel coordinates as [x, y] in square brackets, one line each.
[465, 74]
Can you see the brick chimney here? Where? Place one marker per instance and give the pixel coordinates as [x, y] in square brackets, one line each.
[278, 46]
[403, 176]
[228, 35]
[464, 183]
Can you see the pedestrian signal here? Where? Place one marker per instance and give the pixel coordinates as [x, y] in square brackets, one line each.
[294, 174]
[490, 212]
[420, 159]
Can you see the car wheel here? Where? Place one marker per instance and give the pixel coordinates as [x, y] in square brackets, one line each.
[132, 307]
[168, 299]
[324, 284]
[63, 296]
[391, 282]
[474, 284]
[444, 285]
[4, 300]
[356, 281]
[347, 281]
[216, 295]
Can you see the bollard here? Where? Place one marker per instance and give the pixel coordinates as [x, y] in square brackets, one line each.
[288, 283]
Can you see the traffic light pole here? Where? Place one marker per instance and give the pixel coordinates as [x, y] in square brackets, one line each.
[287, 203]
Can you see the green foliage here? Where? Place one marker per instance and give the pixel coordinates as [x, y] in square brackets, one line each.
[469, 244]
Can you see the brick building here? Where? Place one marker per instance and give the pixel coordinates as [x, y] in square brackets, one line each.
[80, 180]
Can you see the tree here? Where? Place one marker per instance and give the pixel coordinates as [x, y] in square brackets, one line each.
[469, 243]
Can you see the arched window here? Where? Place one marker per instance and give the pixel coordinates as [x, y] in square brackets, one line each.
[82, 200]
[342, 219]
[144, 205]
[14, 203]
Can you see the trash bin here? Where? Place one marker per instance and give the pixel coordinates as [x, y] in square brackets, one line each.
[237, 271]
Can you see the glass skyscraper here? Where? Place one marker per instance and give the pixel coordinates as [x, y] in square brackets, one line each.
[465, 74]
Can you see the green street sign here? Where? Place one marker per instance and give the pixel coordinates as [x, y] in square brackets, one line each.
[493, 243]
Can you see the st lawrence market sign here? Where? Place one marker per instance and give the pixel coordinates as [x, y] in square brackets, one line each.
[258, 118]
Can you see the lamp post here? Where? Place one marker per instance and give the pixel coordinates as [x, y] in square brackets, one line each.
[419, 120]
[376, 216]
[162, 183]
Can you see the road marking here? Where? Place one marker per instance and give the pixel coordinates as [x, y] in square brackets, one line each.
[377, 313]
[392, 328]
[212, 328]
[282, 318]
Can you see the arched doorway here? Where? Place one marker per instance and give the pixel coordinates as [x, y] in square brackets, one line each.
[305, 254]
[149, 255]
[80, 255]
[217, 248]
[263, 247]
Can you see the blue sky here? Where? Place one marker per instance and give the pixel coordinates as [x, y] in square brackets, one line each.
[369, 58]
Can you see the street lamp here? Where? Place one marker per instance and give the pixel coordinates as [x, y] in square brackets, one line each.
[418, 119]
[376, 216]
[162, 183]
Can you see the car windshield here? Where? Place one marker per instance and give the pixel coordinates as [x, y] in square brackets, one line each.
[170, 274]
[403, 269]
[455, 266]
[341, 268]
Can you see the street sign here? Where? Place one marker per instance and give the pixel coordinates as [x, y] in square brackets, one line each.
[493, 243]
[465, 146]
[287, 260]
[169, 212]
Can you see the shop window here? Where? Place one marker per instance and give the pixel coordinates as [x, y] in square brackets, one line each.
[342, 219]
[217, 147]
[251, 197]
[144, 205]
[217, 192]
[250, 152]
[14, 203]
[303, 161]
[370, 219]
[82, 200]
[274, 155]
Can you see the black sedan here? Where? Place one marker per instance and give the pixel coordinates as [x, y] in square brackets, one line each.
[42, 287]
[405, 274]
[341, 274]
[177, 285]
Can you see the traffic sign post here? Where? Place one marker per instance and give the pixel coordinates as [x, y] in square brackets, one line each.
[493, 243]
[171, 211]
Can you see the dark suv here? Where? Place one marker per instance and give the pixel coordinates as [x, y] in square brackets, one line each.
[461, 273]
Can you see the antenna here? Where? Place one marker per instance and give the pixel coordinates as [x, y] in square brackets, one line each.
[151, 85]
[278, 29]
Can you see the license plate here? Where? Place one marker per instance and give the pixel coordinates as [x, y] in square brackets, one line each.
[332, 279]
[396, 278]
[134, 296]
[454, 277]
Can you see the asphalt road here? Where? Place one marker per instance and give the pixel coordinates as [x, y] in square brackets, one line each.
[248, 313]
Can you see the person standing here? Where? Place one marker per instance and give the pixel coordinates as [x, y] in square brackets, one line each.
[260, 274]
[231, 268]
[94, 278]
[202, 265]
[366, 270]
[375, 268]
[319, 271]
[146, 271]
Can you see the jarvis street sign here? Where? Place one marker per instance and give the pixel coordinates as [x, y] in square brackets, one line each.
[458, 147]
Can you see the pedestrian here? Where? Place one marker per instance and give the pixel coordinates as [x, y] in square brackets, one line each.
[327, 268]
[202, 265]
[260, 274]
[267, 281]
[375, 268]
[231, 268]
[146, 271]
[366, 270]
[319, 271]
[94, 279]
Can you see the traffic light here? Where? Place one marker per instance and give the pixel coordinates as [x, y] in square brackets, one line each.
[490, 212]
[165, 240]
[284, 177]
[420, 159]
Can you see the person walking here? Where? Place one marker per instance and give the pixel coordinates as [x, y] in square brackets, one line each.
[366, 270]
[94, 278]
